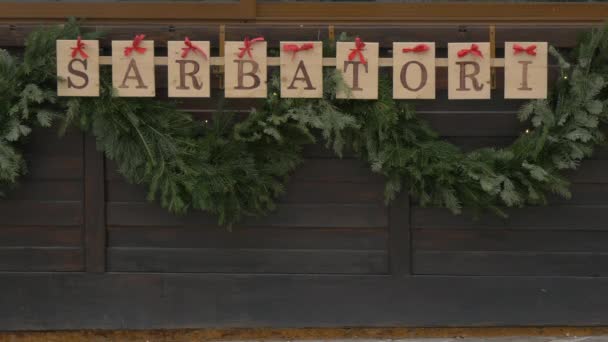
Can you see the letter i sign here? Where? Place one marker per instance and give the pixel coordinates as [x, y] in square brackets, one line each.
[77, 67]
[526, 70]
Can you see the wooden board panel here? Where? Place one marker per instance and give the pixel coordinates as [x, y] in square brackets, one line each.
[560, 35]
[442, 33]
[33, 213]
[173, 301]
[442, 104]
[562, 217]
[47, 190]
[40, 259]
[48, 142]
[587, 193]
[311, 170]
[336, 170]
[296, 192]
[217, 260]
[265, 238]
[43, 167]
[292, 215]
[40, 236]
[496, 123]
[332, 220]
[510, 263]
[334, 192]
[590, 171]
[94, 207]
[509, 240]
[325, 215]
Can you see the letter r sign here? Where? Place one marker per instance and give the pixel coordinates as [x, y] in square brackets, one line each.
[469, 71]
[189, 71]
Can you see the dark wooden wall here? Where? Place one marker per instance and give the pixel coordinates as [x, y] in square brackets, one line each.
[81, 248]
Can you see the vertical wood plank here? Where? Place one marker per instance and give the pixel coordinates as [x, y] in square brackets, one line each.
[399, 236]
[94, 207]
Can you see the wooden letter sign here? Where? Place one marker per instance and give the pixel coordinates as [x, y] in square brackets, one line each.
[525, 70]
[189, 68]
[245, 69]
[133, 67]
[77, 68]
[414, 70]
[358, 63]
[469, 71]
[302, 69]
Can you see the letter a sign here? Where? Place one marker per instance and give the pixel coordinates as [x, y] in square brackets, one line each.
[133, 67]
[302, 69]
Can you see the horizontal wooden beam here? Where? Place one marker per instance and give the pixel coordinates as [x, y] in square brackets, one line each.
[327, 62]
[423, 12]
[148, 301]
[252, 11]
[137, 11]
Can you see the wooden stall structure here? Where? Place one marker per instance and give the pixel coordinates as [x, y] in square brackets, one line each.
[80, 248]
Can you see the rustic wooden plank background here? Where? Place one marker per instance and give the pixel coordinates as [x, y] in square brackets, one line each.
[81, 248]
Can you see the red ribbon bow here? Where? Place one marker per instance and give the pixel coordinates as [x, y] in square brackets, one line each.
[295, 48]
[248, 44]
[135, 46]
[191, 47]
[530, 50]
[418, 48]
[79, 49]
[359, 45]
[474, 50]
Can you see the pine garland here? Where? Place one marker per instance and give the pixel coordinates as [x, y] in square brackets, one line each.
[234, 167]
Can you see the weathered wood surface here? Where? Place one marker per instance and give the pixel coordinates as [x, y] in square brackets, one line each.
[333, 247]
[143, 301]
[41, 223]
[561, 35]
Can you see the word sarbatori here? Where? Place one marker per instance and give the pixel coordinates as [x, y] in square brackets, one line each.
[301, 68]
